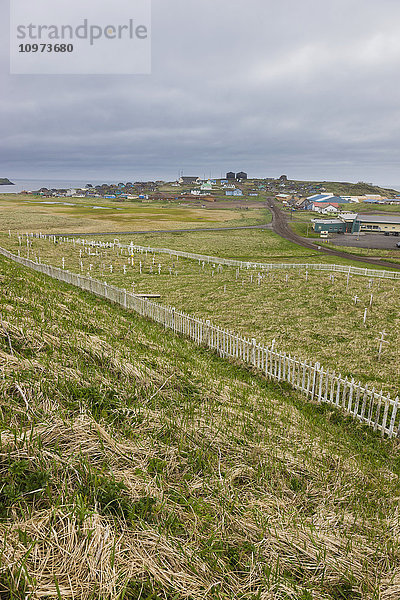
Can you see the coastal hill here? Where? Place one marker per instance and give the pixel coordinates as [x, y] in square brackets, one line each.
[5, 181]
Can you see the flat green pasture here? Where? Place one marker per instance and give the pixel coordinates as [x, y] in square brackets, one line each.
[75, 215]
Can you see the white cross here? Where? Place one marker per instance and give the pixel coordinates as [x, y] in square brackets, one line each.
[382, 341]
[355, 299]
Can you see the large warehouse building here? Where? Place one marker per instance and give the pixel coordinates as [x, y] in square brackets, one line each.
[377, 224]
[352, 223]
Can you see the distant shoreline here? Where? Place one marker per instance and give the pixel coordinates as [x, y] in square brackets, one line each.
[5, 181]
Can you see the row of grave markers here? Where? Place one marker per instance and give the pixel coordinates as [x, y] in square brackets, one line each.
[154, 269]
[115, 244]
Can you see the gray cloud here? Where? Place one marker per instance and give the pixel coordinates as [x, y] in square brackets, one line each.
[309, 88]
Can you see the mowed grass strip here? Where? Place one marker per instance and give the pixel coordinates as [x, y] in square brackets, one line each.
[135, 465]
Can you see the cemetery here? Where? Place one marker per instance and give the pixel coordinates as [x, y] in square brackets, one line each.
[318, 312]
[149, 393]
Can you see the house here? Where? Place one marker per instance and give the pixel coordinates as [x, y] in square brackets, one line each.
[303, 204]
[325, 207]
[189, 180]
[236, 192]
[206, 187]
[241, 175]
[230, 175]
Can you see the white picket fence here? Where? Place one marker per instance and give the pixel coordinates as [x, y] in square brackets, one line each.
[347, 269]
[376, 409]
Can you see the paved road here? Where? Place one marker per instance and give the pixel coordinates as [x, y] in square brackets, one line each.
[280, 226]
[198, 230]
[377, 241]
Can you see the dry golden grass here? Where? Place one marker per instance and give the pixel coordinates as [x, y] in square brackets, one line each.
[135, 466]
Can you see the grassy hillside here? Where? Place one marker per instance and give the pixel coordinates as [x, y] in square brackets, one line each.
[351, 189]
[134, 465]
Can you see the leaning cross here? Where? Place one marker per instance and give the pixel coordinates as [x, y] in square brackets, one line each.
[382, 341]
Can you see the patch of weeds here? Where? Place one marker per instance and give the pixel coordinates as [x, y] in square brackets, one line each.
[101, 403]
[157, 466]
[10, 589]
[171, 525]
[236, 556]
[344, 590]
[21, 481]
[168, 435]
[143, 508]
[197, 462]
[110, 495]
[147, 590]
[111, 498]
[10, 342]
[297, 484]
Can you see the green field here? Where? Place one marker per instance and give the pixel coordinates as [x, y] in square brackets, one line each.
[99, 215]
[136, 466]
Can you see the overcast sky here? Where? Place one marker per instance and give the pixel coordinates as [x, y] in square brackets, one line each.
[308, 88]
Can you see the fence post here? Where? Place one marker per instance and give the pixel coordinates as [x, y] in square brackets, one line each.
[253, 352]
[207, 336]
[316, 368]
